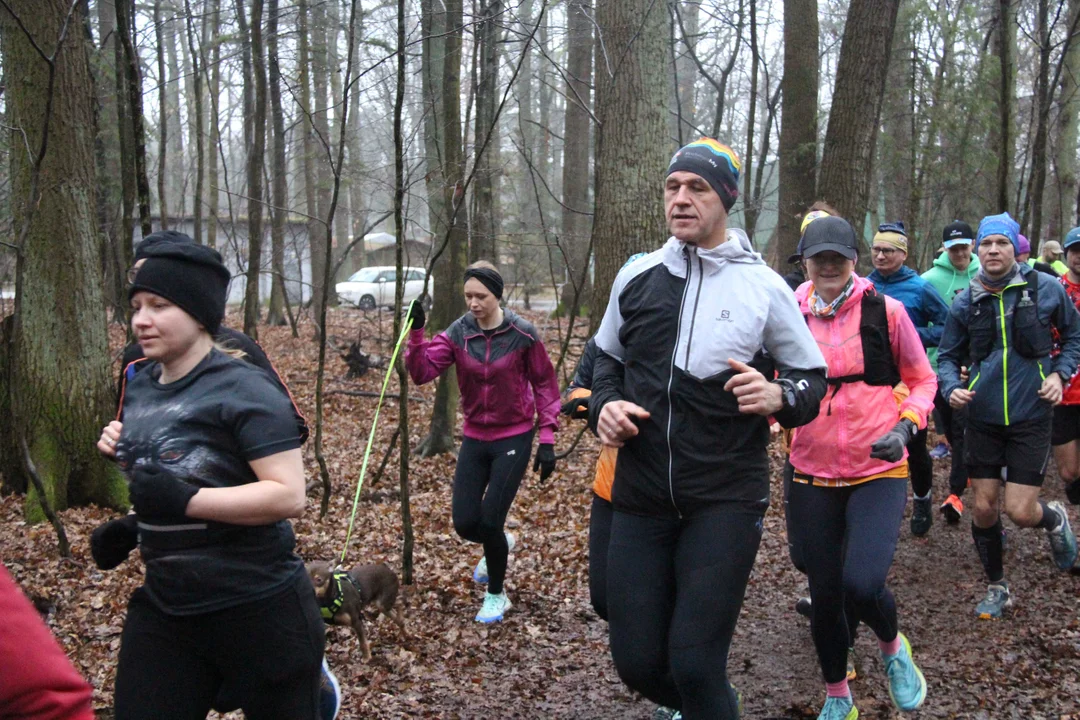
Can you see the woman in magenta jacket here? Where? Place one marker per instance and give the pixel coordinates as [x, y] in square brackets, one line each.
[506, 380]
[849, 484]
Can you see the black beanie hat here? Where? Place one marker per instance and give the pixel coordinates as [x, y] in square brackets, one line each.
[148, 243]
[189, 275]
[715, 162]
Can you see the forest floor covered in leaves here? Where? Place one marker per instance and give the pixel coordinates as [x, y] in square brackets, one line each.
[549, 658]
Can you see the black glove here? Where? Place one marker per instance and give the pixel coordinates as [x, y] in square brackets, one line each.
[1072, 491]
[416, 314]
[545, 460]
[111, 542]
[578, 408]
[890, 446]
[156, 492]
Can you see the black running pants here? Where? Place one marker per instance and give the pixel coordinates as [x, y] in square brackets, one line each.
[847, 537]
[675, 588]
[486, 482]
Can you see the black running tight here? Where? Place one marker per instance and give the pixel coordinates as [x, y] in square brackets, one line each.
[846, 537]
[675, 588]
[485, 484]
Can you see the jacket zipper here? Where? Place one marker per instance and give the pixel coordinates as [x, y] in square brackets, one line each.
[671, 377]
[1005, 346]
[693, 316]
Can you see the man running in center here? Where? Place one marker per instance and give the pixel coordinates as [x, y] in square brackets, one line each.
[689, 345]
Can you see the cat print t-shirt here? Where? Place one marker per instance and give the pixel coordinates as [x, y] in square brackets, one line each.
[205, 428]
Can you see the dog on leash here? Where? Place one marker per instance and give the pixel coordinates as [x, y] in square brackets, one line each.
[343, 596]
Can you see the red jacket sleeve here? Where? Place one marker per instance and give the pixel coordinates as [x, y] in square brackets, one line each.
[545, 390]
[426, 359]
[36, 678]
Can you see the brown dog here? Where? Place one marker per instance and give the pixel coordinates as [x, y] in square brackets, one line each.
[343, 596]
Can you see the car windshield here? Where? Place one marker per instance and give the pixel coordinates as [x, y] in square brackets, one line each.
[365, 275]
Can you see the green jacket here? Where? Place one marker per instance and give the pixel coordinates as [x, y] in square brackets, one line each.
[948, 281]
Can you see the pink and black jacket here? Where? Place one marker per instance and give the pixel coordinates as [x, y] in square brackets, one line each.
[505, 377]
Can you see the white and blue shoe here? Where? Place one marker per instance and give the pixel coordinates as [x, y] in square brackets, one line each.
[329, 694]
[494, 607]
[480, 574]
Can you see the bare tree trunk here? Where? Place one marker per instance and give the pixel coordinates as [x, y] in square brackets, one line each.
[445, 185]
[798, 120]
[577, 127]
[174, 187]
[1064, 214]
[1005, 140]
[1033, 209]
[403, 376]
[631, 96]
[256, 157]
[109, 164]
[321, 255]
[124, 25]
[200, 152]
[685, 72]
[311, 205]
[58, 378]
[163, 119]
[897, 142]
[214, 124]
[856, 108]
[482, 244]
[276, 314]
[749, 201]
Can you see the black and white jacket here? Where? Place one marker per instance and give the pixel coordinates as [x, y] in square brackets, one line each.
[673, 319]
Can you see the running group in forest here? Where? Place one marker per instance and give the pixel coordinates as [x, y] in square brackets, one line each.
[703, 354]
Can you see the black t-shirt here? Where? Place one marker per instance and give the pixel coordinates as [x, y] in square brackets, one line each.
[134, 360]
[205, 428]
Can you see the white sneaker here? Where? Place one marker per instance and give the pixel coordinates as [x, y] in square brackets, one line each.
[480, 574]
[493, 608]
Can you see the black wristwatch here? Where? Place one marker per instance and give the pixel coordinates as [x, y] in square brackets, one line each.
[787, 392]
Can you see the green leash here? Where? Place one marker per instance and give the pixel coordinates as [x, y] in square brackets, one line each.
[371, 436]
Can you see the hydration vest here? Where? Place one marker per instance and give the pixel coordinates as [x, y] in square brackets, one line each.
[879, 368]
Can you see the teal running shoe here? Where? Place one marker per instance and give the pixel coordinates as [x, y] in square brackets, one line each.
[997, 600]
[1062, 540]
[907, 686]
[836, 708]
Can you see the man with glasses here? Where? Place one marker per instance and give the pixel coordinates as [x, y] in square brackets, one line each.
[928, 312]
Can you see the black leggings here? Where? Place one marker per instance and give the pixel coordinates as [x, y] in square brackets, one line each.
[795, 552]
[954, 421]
[599, 539]
[920, 464]
[485, 484]
[266, 654]
[847, 537]
[675, 588]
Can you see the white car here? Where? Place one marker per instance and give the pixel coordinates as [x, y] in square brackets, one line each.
[373, 287]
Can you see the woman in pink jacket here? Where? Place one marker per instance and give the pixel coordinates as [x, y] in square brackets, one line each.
[850, 468]
[506, 381]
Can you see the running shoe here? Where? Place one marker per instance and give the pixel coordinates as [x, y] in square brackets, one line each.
[803, 606]
[836, 708]
[1062, 540]
[329, 694]
[666, 713]
[480, 574]
[996, 601]
[852, 664]
[907, 686]
[952, 509]
[941, 450]
[494, 607]
[922, 516]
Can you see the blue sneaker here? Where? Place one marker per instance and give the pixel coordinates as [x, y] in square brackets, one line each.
[997, 600]
[494, 607]
[480, 573]
[329, 694]
[1062, 540]
[941, 450]
[836, 708]
[907, 686]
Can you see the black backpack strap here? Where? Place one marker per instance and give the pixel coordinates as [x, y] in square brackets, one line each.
[879, 368]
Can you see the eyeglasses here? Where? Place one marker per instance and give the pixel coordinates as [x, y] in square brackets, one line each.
[887, 252]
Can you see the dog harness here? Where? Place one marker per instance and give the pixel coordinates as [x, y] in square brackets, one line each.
[330, 610]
